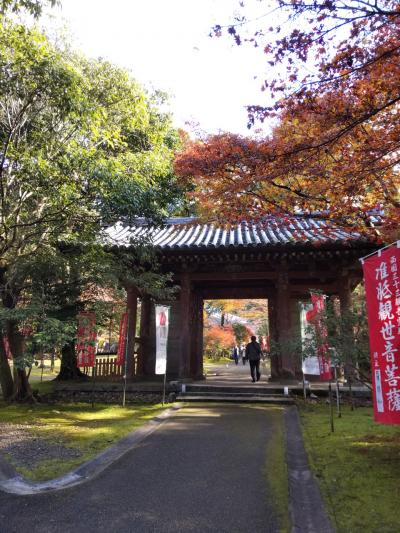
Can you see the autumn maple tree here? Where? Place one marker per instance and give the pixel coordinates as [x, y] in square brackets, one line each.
[334, 115]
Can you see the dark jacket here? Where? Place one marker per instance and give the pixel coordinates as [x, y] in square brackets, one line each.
[253, 351]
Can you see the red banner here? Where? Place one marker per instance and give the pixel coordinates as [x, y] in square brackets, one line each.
[123, 332]
[314, 316]
[382, 288]
[86, 339]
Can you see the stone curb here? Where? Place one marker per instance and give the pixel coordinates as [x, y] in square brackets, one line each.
[14, 483]
[307, 509]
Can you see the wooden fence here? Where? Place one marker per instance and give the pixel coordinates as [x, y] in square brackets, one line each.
[108, 370]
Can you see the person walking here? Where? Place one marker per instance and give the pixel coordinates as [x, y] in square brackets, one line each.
[253, 354]
[235, 354]
[243, 353]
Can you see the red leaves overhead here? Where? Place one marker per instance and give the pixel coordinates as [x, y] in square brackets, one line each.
[336, 146]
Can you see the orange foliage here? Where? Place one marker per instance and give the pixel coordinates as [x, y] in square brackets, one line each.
[335, 147]
[219, 340]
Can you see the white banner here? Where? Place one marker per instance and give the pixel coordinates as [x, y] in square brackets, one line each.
[310, 364]
[162, 323]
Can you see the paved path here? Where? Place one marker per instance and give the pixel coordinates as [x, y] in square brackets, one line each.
[231, 374]
[203, 470]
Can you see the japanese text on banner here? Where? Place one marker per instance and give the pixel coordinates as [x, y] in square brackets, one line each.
[382, 286]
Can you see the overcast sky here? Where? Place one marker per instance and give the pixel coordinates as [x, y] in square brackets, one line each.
[165, 44]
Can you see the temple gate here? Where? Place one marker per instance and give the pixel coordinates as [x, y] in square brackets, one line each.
[280, 260]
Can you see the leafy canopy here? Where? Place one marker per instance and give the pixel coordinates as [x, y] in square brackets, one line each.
[334, 146]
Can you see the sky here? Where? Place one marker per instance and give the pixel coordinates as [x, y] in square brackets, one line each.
[166, 45]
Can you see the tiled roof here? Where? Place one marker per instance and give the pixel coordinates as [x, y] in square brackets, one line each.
[189, 234]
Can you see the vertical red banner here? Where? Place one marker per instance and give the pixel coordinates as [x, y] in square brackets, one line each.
[86, 339]
[123, 332]
[382, 288]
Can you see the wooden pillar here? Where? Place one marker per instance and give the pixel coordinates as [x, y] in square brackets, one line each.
[185, 300]
[345, 295]
[273, 336]
[200, 368]
[132, 311]
[196, 362]
[284, 323]
[143, 359]
[296, 337]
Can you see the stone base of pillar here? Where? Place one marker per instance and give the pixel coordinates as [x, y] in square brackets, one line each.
[287, 374]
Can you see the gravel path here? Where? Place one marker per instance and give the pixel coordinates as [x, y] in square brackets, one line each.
[20, 445]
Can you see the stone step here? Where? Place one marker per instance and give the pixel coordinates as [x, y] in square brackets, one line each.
[237, 392]
[234, 389]
[187, 397]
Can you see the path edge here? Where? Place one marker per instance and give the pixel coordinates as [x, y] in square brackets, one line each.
[306, 506]
[14, 483]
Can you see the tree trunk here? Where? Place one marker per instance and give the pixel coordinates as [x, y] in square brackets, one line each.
[6, 380]
[68, 368]
[22, 389]
[222, 320]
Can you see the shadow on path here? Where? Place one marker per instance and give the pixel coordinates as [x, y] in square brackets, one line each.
[202, 470]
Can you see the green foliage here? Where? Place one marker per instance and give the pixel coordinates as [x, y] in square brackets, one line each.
[263, 329]
[34, 7]
[241, 332]
[81, 146]
[347, 334]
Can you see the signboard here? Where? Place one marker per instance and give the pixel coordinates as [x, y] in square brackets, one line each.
[123, 334]
[310, 364]
[162, 323]
[86, 339]
[382, 288]
[320, 364]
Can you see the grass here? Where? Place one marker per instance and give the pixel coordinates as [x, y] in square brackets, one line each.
[37, 374]
[358, 467]
[277, 473]
[77, 426]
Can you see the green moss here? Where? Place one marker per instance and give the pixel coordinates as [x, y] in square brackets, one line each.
[76, 426]
[358, 467]
[277, 473]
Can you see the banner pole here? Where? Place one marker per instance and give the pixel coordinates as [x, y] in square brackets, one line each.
[331, 407]
[94, 380]
[380, 250]
[339, 412]
[126, 359]
[165, 383]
